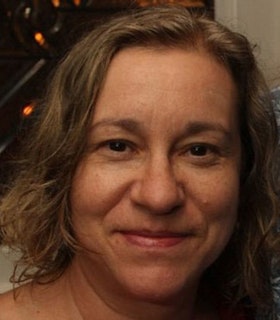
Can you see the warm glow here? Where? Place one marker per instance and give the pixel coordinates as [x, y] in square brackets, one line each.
[27, 110]
[77, 2]
[56, 3]
[40, 39]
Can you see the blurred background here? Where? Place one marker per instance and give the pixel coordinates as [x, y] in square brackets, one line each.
[34, 35]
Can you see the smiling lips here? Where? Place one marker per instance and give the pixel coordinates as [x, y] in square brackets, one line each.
[154, 239]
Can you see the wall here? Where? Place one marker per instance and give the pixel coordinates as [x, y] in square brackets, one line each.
[259, 20]
[6, 268]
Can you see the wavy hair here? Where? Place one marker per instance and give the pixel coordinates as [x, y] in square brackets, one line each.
[35, 213]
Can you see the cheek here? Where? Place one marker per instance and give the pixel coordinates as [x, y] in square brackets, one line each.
[93, 194]
[217, 198]
[217, 206]
[218, 189]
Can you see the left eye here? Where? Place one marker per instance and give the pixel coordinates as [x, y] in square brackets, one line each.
[117, 146]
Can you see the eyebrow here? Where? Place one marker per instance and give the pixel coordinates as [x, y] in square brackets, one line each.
[197, 127]
[127, 124]
[192, 128]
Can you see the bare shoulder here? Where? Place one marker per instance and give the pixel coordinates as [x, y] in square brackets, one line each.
[8, 306]
[16, 304]
[35, 301]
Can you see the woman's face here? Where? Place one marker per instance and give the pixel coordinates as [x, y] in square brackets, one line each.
[155, 199]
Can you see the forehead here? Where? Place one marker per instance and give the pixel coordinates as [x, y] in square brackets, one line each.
[157, 75]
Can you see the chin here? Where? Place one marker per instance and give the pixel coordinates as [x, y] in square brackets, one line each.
[158, 285]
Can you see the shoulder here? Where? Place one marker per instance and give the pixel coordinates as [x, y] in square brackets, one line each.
[16, 304]
[33, 301]
[8, 306]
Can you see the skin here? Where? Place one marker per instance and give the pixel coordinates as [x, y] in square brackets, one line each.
[155, 198]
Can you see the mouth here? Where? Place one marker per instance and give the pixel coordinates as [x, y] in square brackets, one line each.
[149, 239]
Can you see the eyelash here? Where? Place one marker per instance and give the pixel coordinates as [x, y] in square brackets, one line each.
[121, 145]
[206, 148]
[117, 146]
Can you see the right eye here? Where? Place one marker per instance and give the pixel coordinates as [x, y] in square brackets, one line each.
[116, 149]
[199, 150]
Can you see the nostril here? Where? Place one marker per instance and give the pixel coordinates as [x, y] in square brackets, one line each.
[158, 197]
[173, 210]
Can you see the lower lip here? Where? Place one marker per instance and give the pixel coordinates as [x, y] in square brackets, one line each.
[153, 242]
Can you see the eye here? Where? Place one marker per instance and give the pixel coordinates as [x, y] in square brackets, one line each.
[203, 154]
[199, 150]
[117, 149]
[117, 145]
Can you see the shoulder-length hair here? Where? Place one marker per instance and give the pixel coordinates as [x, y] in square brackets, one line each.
[35, 212]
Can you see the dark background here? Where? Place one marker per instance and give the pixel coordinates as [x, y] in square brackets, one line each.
[34, 35]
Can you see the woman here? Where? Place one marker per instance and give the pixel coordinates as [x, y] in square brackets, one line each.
[147, 188]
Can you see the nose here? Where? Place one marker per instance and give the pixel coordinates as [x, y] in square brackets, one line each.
[157, 188]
